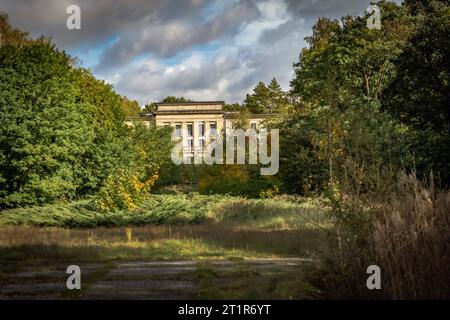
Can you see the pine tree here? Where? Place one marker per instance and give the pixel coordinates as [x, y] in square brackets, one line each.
[277, 97]
[259, 101]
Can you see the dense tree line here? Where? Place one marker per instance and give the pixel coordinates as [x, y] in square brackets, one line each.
[363, 104]
[369, 130]
[62, 132]
[370, 102]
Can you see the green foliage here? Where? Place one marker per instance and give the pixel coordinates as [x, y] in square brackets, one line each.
[9, 35]
[173, 99]
[241, 119]
[303, 168]
[132, 182]
[266, 99]
[237, 180]
[174, 209]
[340, 132]
[151, 106]
[109, 108]
[131, 107]
[345, 64]
[420, 95]
[44, 130]
[233, 107]
[62, 131]
[375, 102]
[123, 189]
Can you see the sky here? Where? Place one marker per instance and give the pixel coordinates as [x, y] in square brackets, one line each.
[199, 49]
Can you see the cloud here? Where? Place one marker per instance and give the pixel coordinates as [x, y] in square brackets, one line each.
[200, 49]
[230, 71]
[100, 18]
[168, 37]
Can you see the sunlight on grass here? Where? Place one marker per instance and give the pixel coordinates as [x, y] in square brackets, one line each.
[182, 226]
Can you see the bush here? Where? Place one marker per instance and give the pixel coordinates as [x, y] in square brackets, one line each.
[189, 208]
[407, 234]
[130, 184]
[123, 190]
[236, 180]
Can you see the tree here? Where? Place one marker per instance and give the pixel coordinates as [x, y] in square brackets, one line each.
[9, 35]
[266, 99]
[173, 99]
[233, 107]
[259, 100]
[131, 107]
[62, 132]
[44, 131]
[131, 182]
[418, 7]
[241, 119]
[368, 55]
[317, 80]
[347, 68]
[420, 95]
[151, 106]
[303, 165]
[277, 101]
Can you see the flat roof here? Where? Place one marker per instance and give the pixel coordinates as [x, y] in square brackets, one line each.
[190, 103]
[230, 114]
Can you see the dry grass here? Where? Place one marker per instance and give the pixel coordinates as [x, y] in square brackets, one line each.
[207, 240]
[224, 228]
[406, 233]
[412, 243]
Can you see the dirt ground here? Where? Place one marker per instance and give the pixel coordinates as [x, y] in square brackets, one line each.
[154, 280]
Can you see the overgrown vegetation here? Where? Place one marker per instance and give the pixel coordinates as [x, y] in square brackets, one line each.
[373, 120]
[165, 227]
[62, 132]
[163, 209]
[366, 125]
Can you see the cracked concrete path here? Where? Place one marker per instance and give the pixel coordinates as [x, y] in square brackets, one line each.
[154, 280]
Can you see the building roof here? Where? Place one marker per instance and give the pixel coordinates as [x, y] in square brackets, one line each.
[174, 112]
[190, 103]
[231, 114]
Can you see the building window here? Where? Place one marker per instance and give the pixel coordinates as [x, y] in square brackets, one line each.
[253, 126]
[190, 130]
[190, 143]
[201, 129]
[201, 143]
[166, 124]
[178, 129]
[213, 127]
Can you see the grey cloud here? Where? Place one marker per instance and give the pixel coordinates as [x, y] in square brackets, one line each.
[100, 18]
[152, 81]
[166, 38]
[162, 28]
[242, 70]
[311, 9]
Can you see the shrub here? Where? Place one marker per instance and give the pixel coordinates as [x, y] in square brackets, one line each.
[123, 190]
[407, 234]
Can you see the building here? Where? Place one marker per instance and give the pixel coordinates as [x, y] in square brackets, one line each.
[195, 122]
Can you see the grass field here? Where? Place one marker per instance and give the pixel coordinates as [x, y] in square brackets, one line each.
[164, 227]
[168, 228]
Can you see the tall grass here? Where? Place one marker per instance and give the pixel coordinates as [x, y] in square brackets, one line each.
[156, 209]
[176, 226]
[178, 209]
[406, 233]
[412, 242]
